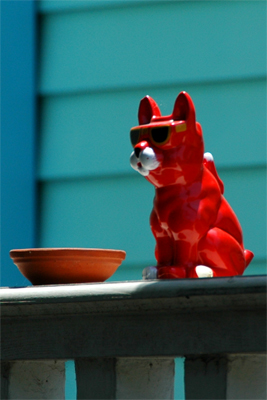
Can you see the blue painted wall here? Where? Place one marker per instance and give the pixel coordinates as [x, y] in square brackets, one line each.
[18, 105]
[97, 60]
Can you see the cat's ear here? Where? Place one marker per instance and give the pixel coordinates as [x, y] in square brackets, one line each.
[184, 109]
[148, 109]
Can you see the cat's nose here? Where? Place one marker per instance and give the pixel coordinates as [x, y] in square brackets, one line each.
[137, 151]
[139, 147]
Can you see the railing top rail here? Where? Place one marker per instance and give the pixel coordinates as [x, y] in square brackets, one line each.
[135, 319]
[128, 296]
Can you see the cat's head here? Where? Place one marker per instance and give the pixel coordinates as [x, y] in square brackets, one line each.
[166, 148]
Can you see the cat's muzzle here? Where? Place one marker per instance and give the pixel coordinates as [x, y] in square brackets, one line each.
[144, 161]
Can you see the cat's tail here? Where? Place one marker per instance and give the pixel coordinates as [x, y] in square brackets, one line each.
[248, 256]
[208, 162]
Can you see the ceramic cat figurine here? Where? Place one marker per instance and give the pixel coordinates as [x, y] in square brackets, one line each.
[197, 233]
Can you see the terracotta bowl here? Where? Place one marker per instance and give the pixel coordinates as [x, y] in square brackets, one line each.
[67, 265]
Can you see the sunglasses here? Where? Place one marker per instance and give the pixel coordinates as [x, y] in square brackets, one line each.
[159, 135]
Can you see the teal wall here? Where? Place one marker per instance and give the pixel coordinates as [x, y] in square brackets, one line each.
[18, 110]
[97, 60]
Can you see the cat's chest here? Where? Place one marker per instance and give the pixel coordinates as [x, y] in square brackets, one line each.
[166, 205]
[176, 203]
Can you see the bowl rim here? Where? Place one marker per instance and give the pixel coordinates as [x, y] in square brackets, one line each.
[66, 252]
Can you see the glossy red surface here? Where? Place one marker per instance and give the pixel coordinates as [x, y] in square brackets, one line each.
[191, 221]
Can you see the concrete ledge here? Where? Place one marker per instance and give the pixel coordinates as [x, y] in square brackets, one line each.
[115, 297]
[135, 319]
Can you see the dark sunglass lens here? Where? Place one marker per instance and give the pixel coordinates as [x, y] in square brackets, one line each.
[134, 134]
[160, 134]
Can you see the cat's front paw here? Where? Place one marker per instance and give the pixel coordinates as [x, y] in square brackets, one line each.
[150, 273]
[204, 272]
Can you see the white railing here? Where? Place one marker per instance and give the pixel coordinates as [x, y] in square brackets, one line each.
[124, 337]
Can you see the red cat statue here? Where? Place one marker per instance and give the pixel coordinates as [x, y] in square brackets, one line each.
[197, 233]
